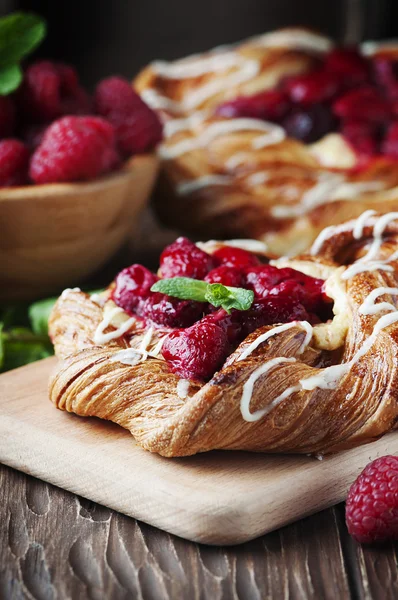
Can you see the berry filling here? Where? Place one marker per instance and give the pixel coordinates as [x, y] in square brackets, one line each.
[346, 92]
[202, 336]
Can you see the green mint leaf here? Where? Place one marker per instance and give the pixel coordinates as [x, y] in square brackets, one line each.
[20, 34]
[229, 297]
[39, 313]
[10, 79]
[214, 293]
[183, 288]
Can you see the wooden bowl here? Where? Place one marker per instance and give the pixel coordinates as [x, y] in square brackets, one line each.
[53, 236]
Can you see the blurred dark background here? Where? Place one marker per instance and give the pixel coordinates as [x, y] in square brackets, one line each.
[120, 36]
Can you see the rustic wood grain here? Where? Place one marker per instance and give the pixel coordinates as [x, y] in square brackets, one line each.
[57, 545]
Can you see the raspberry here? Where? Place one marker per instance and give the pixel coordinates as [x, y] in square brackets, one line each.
[225, 275]
[362, 136]
[271, 105]
[196, 352]
[364, 104]
[372, 502]
[138, 128]
[184, 259]
[74, 149]
[236, 257]
[389, 146]
[170, 312]
[310, 124]
[50, 90]
[348, 65]
[132, 285]
[14, 161]
[271, 310]
[266, 280]
[7, 116]
[312, 88]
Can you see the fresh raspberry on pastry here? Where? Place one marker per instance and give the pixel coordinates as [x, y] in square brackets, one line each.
[300, 357]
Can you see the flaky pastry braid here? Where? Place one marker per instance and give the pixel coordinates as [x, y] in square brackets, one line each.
[361, 406]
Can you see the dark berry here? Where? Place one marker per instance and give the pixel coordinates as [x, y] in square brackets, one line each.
[312, 88]
[311, 124]
[74, 149]
[197, 352]
[132, 285]
[33, 135]
[7, 116]
[236, 257]
[364, 104]
[170, 312]
[271, 310]
[138, 128]
[225, 275]
[14, 163]
[184, 259]
[372, 502]
[271, 105]
[348, 65]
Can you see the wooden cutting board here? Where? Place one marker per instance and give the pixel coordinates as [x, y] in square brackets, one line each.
[215, 498]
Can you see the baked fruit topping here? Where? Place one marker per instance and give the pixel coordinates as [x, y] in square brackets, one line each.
[203, 335]
[346, 87]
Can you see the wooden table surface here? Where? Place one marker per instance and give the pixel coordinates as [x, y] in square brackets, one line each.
[54, 544]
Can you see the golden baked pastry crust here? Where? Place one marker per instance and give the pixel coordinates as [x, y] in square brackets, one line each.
[303, 188]
[90, 380]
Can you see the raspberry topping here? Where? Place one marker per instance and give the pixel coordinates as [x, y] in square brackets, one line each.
[236, 257]
[74, 149]
[348, 65]
[372, 502]
[226, 275]
[14, 161]
[271, 105]
[390, 142]
[138, 128]
[313, 88]
[204, 335]
[170, 312]
[365, 103]
[196, 352]
[184, 259]
[131, 286]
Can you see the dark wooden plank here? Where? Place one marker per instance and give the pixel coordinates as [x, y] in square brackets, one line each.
[56, 545]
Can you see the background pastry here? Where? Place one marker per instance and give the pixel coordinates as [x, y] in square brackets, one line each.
[276, 137]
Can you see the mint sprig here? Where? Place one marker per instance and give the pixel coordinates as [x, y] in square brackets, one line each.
[216, 294]
[20, 34]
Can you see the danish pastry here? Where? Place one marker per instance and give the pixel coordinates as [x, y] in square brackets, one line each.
[276, 137]
[292, 355]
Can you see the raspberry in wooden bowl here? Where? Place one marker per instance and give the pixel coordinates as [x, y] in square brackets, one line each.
[71, 185]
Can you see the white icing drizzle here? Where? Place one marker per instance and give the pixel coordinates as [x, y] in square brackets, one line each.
[265, 336]
[157, 349]
[258, 178]
[159, 102]
[183, 386]
[68, 291]
[189, 186]
[299, 39]
[98, 299]
[103, 338]
[245, 244]
[360, 223]
[236, 159]
[219, 129]
[275, 136]
[248, 390]
[129, 356]
[368, 307]
[195, 65]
